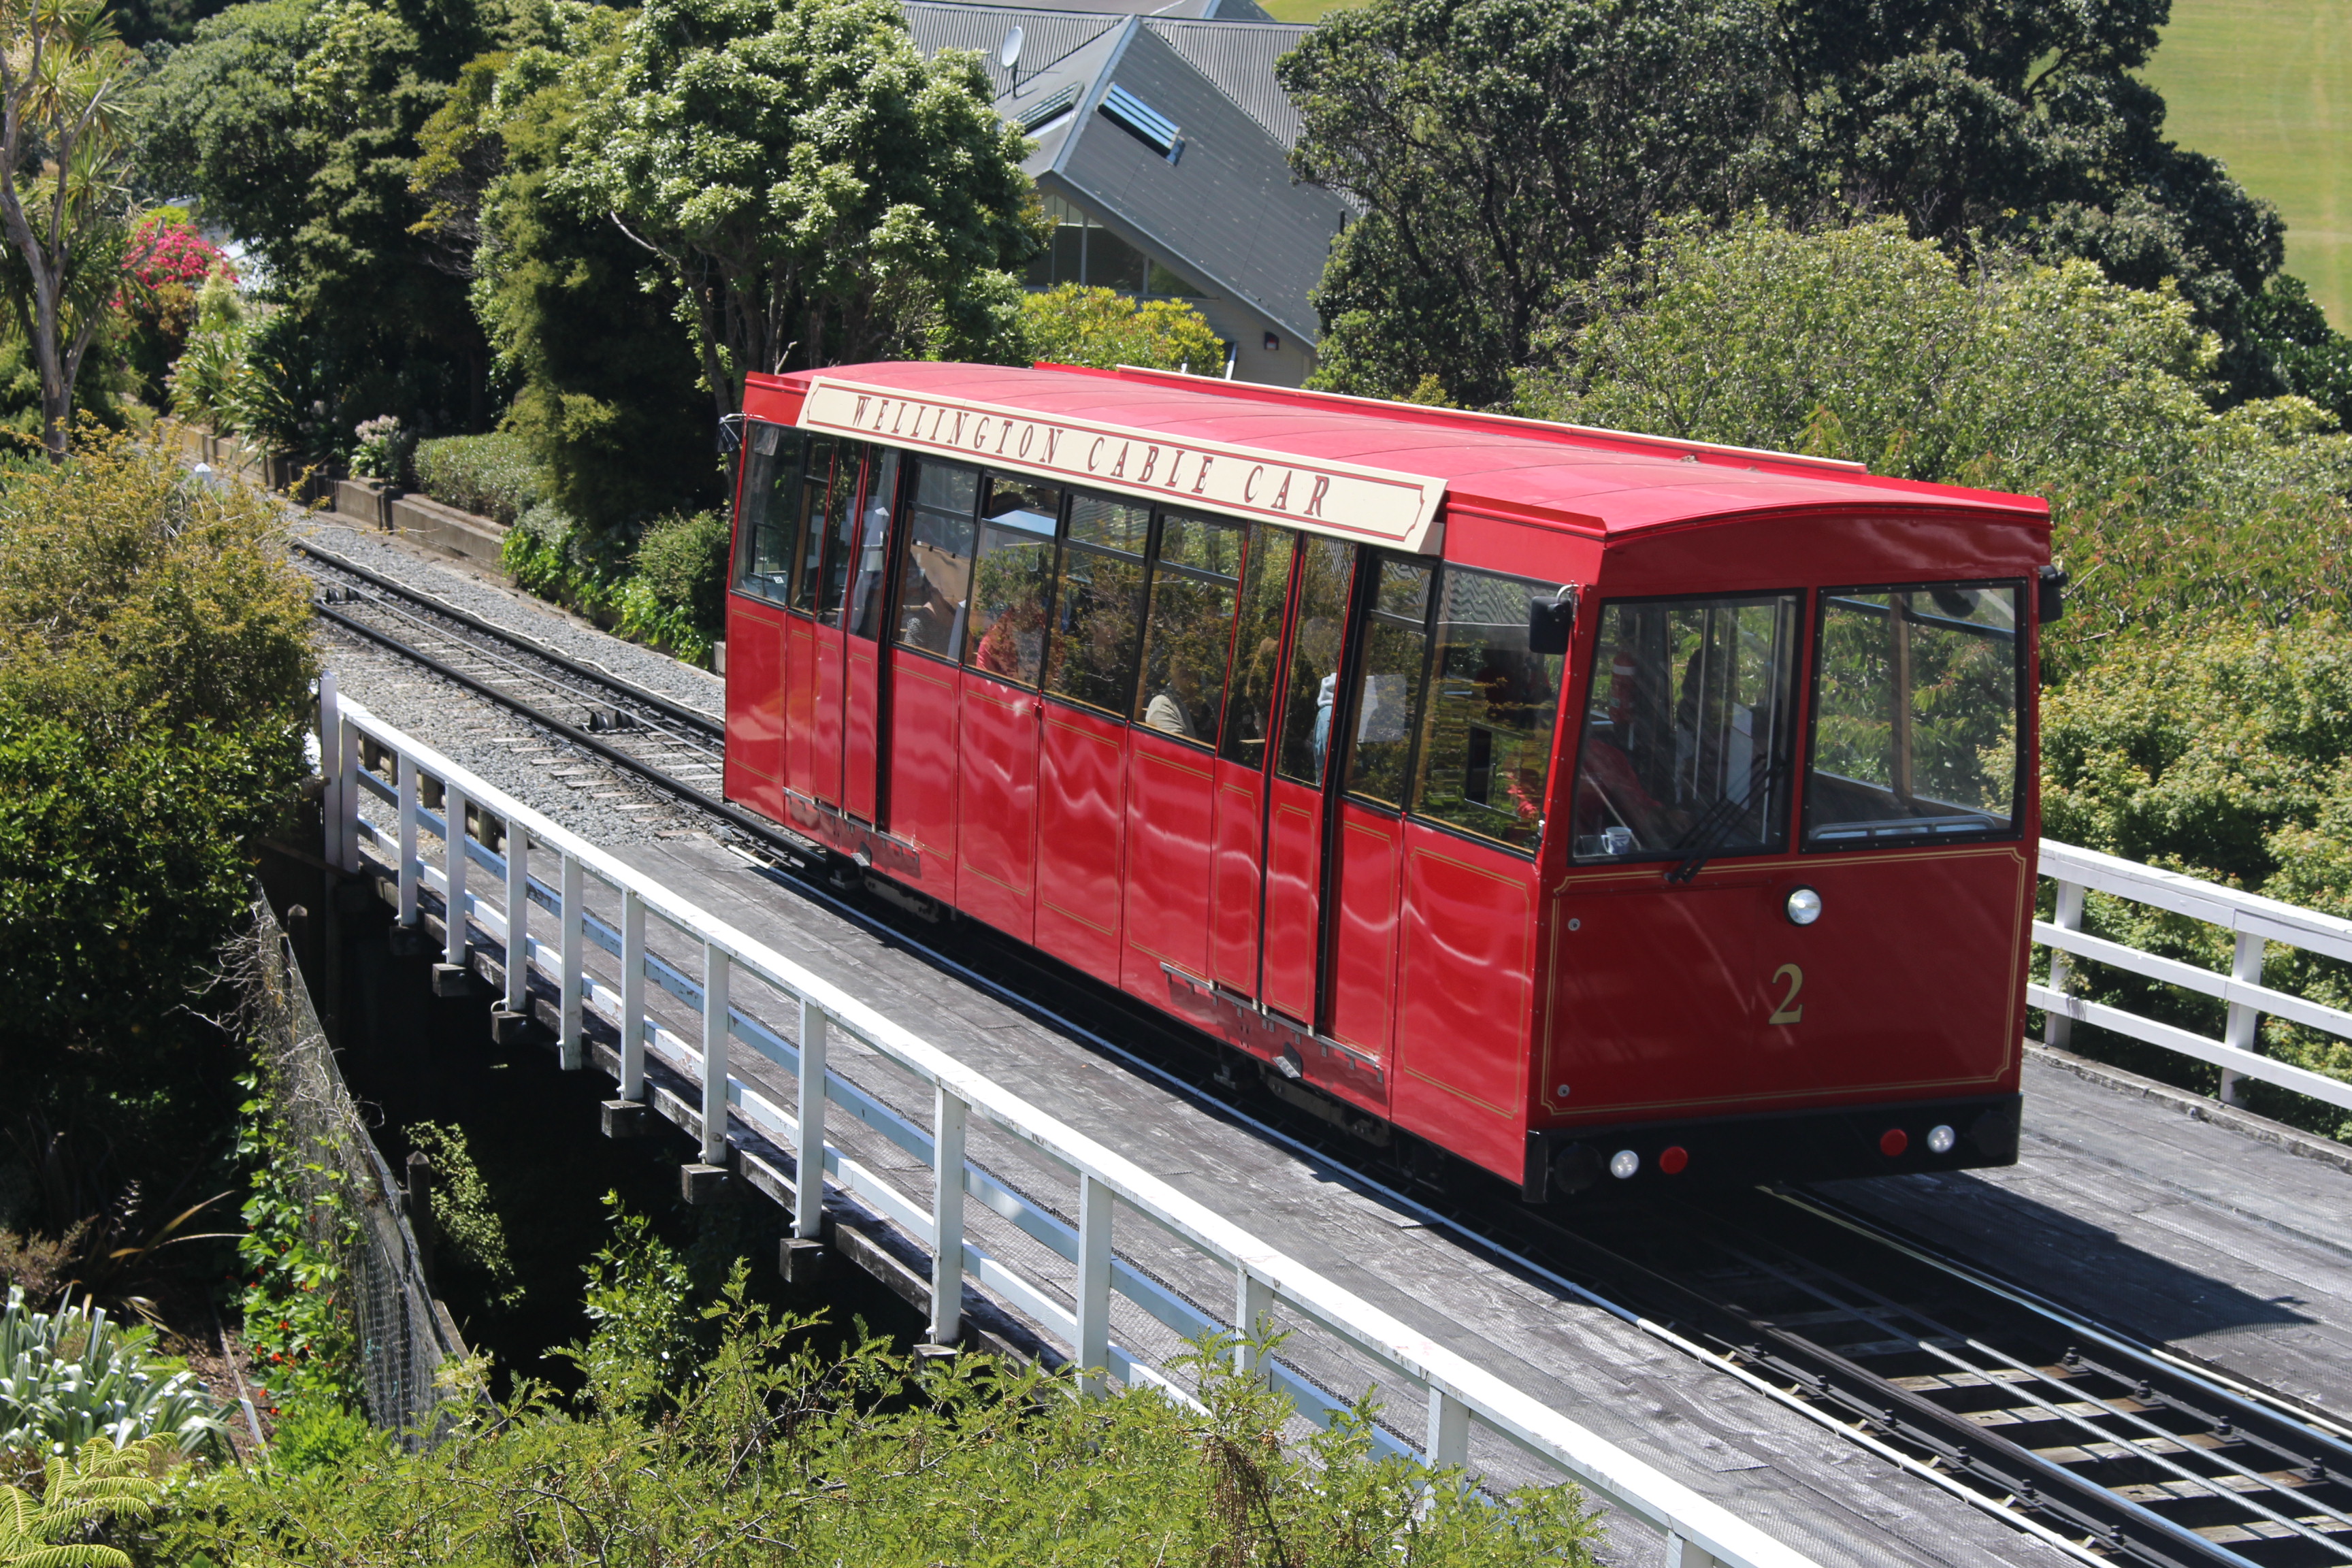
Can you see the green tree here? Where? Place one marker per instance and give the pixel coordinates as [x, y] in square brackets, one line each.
[1077, 325]
[1501, 150]
[66, 82]
[2010, 374]
[582, 324]
[295, 122]
[815, 189]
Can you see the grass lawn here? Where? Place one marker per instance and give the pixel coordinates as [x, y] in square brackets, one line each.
[2266, 87]
[1306, 10]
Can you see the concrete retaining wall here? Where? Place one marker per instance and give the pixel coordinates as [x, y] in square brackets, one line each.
[448, 530]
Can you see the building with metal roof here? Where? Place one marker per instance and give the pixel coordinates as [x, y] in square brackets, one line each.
[1161, 151]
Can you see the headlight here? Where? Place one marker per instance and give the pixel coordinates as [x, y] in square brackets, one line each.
[1624, 1163]
[1940, 1139]
[1804, 907]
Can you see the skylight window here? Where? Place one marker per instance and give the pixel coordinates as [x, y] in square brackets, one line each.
[1147, 124]
[1037, 114]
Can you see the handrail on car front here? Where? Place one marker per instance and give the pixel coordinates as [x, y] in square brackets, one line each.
[1698, 1532]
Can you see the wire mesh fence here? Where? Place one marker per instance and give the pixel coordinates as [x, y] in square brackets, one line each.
[352, 1205]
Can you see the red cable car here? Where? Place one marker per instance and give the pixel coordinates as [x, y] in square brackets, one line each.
[1603, 809]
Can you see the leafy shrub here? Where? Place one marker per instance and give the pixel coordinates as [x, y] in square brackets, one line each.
[299, 1328]
[383, 449]
[493, 475]
[160, 293]
[766, 1451]
[320, 1435]
[1863, 344]
[73, 1377]
[682, 560]
[472, 1237]
[2228, 758]
[1074, 325]
[662, 603]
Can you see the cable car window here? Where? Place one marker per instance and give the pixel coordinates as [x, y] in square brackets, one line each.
[1686, 740]
[1258, 644]
[1098, 608]
[869, 576]
[767, 516]
[1012, 578]
[935, 561]
[1914, 715]
[1312, 683]
[842, 519]
[1189, 635]
[1494, 703]
[1387, 688]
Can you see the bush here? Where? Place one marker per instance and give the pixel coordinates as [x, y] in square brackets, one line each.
[2228, 758]
[765, 1451]
[69, 1377]
[1863, 344]
[473, 1239]
[1074, 325]
[682, 561]
[492, 475]
[82, 1500]
[670, 592]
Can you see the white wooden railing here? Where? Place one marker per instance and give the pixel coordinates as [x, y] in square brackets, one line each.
[2256, 922]
[1458, 1394]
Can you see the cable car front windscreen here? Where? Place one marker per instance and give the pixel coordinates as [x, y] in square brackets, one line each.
[1687, 729]
[1914, 716]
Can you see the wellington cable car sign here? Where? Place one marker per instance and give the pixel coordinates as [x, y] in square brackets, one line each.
[1375, 506]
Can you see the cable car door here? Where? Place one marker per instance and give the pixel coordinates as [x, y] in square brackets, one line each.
[863, 609]
[1237, 874]
[1297, 815]
[818, 686]
[1004, 654]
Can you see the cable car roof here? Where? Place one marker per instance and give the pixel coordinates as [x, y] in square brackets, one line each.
[1393, 462]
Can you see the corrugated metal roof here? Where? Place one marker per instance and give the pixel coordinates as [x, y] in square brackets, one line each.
[1047, 35]
[1239, 58]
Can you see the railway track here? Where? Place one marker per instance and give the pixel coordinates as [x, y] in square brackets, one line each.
[2108, 1449]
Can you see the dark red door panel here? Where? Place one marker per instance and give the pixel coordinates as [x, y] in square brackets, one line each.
[1236, 877]
[1081, 770]
[1465, 978]
[923, 720]
[1624, 1045]
[1170, 849]
[1364, 929]
[824, 735]
[1294, 897]
[861, 732]
[996, 804]
[1844, 1002]
[800, 704]
[755, 706]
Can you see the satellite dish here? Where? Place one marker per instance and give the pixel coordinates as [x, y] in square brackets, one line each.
[1008, 53]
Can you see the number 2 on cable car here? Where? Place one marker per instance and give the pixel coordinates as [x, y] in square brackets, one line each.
[1789, 1012]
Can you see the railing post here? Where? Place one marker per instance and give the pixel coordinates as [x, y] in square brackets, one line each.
[407, 775]
[2057, 1027]
[330, 771]
[1253, 1304]
[453, 872]
[347, 809]
[1094, 1284]
[948, 1115]
[2244, 1021]
[1446, 1438]
[518, 848]
[633, 995]
[569, 1053]
[808, 1158]
[715, 974]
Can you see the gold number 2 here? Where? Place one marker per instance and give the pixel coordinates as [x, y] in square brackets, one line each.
[1789, 1012]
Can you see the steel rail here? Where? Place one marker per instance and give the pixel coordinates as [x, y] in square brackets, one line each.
[810, 857]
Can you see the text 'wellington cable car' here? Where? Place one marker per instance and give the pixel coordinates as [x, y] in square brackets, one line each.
[1602, 809]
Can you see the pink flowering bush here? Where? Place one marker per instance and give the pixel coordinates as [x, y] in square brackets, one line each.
[165, 266]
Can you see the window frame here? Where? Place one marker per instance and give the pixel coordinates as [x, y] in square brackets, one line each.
[1153, 565]
[737, 574]
[1801, 713]
[1360, 621]
[1802, 798]
[902, 541]
[1064, 547]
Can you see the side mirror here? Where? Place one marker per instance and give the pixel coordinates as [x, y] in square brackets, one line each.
[730, 432]
[1549, 625]
[2049, 594]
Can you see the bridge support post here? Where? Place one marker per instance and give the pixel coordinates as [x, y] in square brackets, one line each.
[2057, 1027]
[570, 1052]
[407, 775]
[331, 772]
[513, 1016]
[449, 976]
[808, 1152]
[2241, 1031]
[948, 1116]
[1093, 1295]
[1681, 1553]
[1445, 1439]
